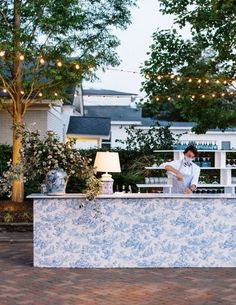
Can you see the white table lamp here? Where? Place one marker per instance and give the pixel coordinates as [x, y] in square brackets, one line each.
[107, 162]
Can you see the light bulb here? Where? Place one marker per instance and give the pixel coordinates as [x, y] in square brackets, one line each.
[199, 81]
[222, 94]
[40, 94]
[22, 92]
[193, 96]
[42, 61]
[4, 90]
[213, 95]
[59, 64]
[21, 57]
[190, 80]
[179, 96]
[2, 53]
[203, 96]
[159, 77]
[77, 66]
[178, 78]
[207, 81]
[55, 94]
[169, 98]
[172, 76]
[217, 81]
[157, 99]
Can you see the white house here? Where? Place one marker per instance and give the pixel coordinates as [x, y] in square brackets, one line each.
[121, 108]
[98, 118]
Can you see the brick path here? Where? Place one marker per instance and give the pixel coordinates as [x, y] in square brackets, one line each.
[21, 284]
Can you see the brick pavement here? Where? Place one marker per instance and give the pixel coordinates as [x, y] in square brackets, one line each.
[21, 284]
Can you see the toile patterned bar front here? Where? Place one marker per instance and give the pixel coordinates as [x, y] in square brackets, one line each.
[135, 230]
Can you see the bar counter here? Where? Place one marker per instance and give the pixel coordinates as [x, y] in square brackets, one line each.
[135, 230]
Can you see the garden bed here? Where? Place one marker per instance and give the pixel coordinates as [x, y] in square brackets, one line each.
[16, 217]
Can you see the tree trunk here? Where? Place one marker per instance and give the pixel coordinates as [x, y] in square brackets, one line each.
[18, 185]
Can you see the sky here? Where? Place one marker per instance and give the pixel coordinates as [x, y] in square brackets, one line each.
[135, 42]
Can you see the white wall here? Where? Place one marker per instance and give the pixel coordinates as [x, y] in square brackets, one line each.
[32, 116]
[86, 142]
[120, 133]
[209, 136]
[106, 100]
[55, 122]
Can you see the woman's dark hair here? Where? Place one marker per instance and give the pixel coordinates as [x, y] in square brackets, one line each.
[191, 148]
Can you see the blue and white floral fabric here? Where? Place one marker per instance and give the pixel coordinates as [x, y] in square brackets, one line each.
[158, 232]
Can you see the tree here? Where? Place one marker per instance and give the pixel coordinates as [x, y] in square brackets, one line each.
[193, 77]
[146, 141]
[46, 46]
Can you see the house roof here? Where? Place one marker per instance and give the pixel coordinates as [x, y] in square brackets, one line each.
[116, 113]
[150, 121]
[80, 125]
[104, 92]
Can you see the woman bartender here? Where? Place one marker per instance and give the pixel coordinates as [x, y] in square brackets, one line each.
[184, 172]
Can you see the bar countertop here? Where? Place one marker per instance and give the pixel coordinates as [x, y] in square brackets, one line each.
[134, 195]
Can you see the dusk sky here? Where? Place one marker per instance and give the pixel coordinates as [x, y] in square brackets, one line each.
[135, 42]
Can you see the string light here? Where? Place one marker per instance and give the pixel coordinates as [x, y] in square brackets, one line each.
[159, 77]
[200, 96]
[172, 76]
[2, 53]
[190, 80]
[217, 81]
[77, 66]
[207, 81]
[42, 61]
[40, 94]
[21, 57]
[22, 92]
[178, 78]
[55, 94]
[199, 81]
[4, 90]
[59, 64]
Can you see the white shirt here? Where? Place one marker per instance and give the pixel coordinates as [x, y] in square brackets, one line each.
[193, 170]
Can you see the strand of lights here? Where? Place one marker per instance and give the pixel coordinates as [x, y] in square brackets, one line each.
[190, 79]
[174, 77]
[194, 97]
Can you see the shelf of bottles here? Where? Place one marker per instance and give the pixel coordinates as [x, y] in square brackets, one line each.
[200, 145]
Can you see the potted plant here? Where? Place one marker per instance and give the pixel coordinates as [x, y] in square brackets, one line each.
[53, 161]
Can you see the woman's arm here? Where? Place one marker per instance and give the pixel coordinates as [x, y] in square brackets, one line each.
[175, 171]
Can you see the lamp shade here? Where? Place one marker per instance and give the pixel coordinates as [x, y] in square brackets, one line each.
[107, 162]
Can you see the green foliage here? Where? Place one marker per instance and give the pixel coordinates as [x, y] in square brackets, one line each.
[72, 31]
[5, 156]
[8, 217]
[208, 55]
[146, 141]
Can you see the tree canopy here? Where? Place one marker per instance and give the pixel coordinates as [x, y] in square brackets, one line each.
[56, 43]
[192, 79]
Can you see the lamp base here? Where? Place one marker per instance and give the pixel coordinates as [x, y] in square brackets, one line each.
[107, 184]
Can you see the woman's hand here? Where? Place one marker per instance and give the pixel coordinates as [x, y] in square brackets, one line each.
[187, 191]
[179, 177]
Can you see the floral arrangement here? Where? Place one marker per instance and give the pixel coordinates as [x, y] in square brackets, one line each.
[40, 155]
